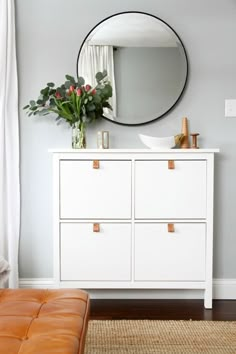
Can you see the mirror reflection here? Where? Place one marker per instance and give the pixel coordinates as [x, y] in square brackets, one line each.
[146, 64]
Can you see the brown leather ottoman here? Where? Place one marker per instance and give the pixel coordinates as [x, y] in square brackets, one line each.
[43, 321]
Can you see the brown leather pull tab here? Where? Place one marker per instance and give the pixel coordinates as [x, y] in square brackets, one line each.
[96, 227]
[96, 164]
[171, 165]
[171, 228]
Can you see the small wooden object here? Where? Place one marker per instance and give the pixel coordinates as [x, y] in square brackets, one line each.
[185, 141]
[96, 164]
[171, 165]
[194, 140]
[171, 228]
[96, 228]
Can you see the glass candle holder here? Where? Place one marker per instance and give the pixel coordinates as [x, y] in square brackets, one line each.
[103, 139]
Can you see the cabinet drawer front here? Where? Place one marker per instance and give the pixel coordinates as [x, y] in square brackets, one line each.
[170, 256]
[95, 256]
[95, 193]
[164, 193]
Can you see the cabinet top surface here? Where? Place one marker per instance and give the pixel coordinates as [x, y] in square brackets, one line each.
[134, 151]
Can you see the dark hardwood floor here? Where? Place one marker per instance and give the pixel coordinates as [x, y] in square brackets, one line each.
[223, 310]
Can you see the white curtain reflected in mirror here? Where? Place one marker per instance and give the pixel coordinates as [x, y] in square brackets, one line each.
[146, 64]
[95, 58]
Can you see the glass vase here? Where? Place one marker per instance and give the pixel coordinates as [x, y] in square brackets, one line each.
[79, 136]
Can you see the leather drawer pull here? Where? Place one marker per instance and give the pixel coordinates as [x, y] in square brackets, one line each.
[171, 165]
[96, 228]
[171, 228]
[96, 164]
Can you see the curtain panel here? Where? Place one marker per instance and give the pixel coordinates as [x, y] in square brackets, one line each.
[94, 58]
[9, 142]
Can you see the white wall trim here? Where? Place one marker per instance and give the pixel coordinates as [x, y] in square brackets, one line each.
[36, 283]
[223, 289]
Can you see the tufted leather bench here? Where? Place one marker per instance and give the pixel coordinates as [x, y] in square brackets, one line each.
[39, 321]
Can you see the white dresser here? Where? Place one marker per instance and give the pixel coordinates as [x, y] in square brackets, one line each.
[134, 219]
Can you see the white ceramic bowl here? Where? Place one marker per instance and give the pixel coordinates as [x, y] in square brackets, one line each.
[153, 142]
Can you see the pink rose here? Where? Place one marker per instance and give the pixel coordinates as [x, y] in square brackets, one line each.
[93, 92]
[57, 94]
[71, 89]
[79, 92]
[87, 88]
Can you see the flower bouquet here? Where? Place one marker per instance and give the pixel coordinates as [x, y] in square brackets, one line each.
[75, 102]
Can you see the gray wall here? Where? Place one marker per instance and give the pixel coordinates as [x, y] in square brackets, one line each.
[49, 34]
[154, 74]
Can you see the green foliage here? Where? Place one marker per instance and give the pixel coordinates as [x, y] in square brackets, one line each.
[73, 101]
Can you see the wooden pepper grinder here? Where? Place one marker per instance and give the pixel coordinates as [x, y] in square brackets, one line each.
[194, 140]
[185, 140]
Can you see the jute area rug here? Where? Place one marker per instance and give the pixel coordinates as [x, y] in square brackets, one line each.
[153, 336]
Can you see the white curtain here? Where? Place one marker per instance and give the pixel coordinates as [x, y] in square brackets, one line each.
[94, 58]
[9, 142]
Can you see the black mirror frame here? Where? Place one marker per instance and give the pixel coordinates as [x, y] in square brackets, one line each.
[187, 66]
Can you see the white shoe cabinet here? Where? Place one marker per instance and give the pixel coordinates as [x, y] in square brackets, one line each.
[134, 219]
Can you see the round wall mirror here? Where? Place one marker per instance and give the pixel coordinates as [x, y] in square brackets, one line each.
[146, 64]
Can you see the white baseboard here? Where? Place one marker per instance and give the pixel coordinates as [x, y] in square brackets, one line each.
[223, 289]
[37, 283]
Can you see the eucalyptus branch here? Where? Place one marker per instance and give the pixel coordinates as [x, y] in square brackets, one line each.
[73, 101]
